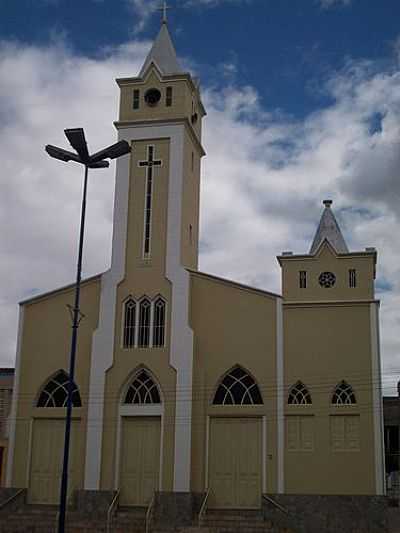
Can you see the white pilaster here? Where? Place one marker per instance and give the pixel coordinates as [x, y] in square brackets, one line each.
[181, 348]
[280, 397]
[13, 412]
[377, 400]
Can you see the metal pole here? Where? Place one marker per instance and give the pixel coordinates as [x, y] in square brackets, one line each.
[74, 339]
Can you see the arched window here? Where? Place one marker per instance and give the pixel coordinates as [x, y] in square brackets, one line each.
[129, 323]
[159, 323]
[55, 392]
[343, 394]
[144, 323]
[143, 390]
[238, 388]
[299, 395]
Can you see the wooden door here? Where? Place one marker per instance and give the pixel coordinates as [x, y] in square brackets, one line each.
[140, 459]
[46, 460]
[235, 462]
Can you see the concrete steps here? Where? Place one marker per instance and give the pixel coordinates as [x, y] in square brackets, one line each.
[234, 521]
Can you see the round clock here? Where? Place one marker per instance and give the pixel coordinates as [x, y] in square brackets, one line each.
[152, 97]
[327, 279]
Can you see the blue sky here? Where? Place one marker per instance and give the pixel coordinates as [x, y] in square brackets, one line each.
[282, 47]
[303, 101]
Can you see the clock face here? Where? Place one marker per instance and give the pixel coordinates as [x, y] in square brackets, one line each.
[152, 97]
[327, 279]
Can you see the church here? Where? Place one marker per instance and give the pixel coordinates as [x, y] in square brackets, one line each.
[187, 382]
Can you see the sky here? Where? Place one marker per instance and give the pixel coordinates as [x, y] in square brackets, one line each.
[303, 102]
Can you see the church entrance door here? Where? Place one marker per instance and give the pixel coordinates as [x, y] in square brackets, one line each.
[46, 460]
[235, 462]
[140, 459]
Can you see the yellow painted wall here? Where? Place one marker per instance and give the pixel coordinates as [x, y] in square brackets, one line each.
[327, 261]
[45, 349]
[190, 207]
[327, 339]
[185, 98]
[232, 325]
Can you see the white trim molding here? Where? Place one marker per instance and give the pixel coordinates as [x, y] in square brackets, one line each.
[377, 407]
[14, 402]
[181, 346]
[280, 398]
[264, 454]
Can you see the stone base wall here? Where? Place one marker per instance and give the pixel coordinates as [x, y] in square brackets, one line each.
[178, 509]
[328, 514]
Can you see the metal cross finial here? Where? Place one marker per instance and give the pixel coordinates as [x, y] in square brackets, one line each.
[164, 9]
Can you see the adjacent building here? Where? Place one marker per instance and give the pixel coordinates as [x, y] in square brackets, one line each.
[6, 388]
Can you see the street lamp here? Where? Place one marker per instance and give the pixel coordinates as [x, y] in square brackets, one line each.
[76, 137]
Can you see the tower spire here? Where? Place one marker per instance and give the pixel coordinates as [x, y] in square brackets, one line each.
[163, 53]
[329, 230]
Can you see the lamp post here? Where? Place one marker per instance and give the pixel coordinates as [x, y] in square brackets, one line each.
[76, 137]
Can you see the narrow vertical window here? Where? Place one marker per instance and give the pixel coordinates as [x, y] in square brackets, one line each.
[190, 234]
[129, 323]
[136, 99]
[352, 278]
[169, 97]
[144, 323]
[303, 279]
[192, 161]
[159, 323]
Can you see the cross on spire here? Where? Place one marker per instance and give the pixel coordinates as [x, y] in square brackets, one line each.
[164, 9]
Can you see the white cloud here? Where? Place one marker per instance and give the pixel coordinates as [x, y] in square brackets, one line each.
[144, 9]
[326, 4]
[274, 171]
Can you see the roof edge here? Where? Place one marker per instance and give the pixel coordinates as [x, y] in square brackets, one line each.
[59, 289]
[235, 283]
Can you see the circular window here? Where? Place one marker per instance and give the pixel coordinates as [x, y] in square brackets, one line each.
[327, 279]
[152, 97]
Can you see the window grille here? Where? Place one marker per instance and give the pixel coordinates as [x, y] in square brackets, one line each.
[144, 323]
[238, 388]
[169, 97]
[55, 392]
[343, 394]
[303, 279]
[352, 278]
[159, 323]
[136, 99]
[130, 323]
[299, 395]
[143, 390]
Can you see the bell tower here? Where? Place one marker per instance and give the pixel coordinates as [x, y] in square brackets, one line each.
[161, 99]
[155, 242]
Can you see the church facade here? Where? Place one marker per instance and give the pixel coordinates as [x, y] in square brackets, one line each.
[186, 381]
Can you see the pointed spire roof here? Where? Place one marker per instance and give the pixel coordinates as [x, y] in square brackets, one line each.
[162, 54]
[329, 230]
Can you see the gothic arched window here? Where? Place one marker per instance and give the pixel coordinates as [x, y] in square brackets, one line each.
[159, 323]
[144, 323]
[143, 390]
[129, 323]
[55, 392]
[299, 395]
[343, 394]
[237, 388]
